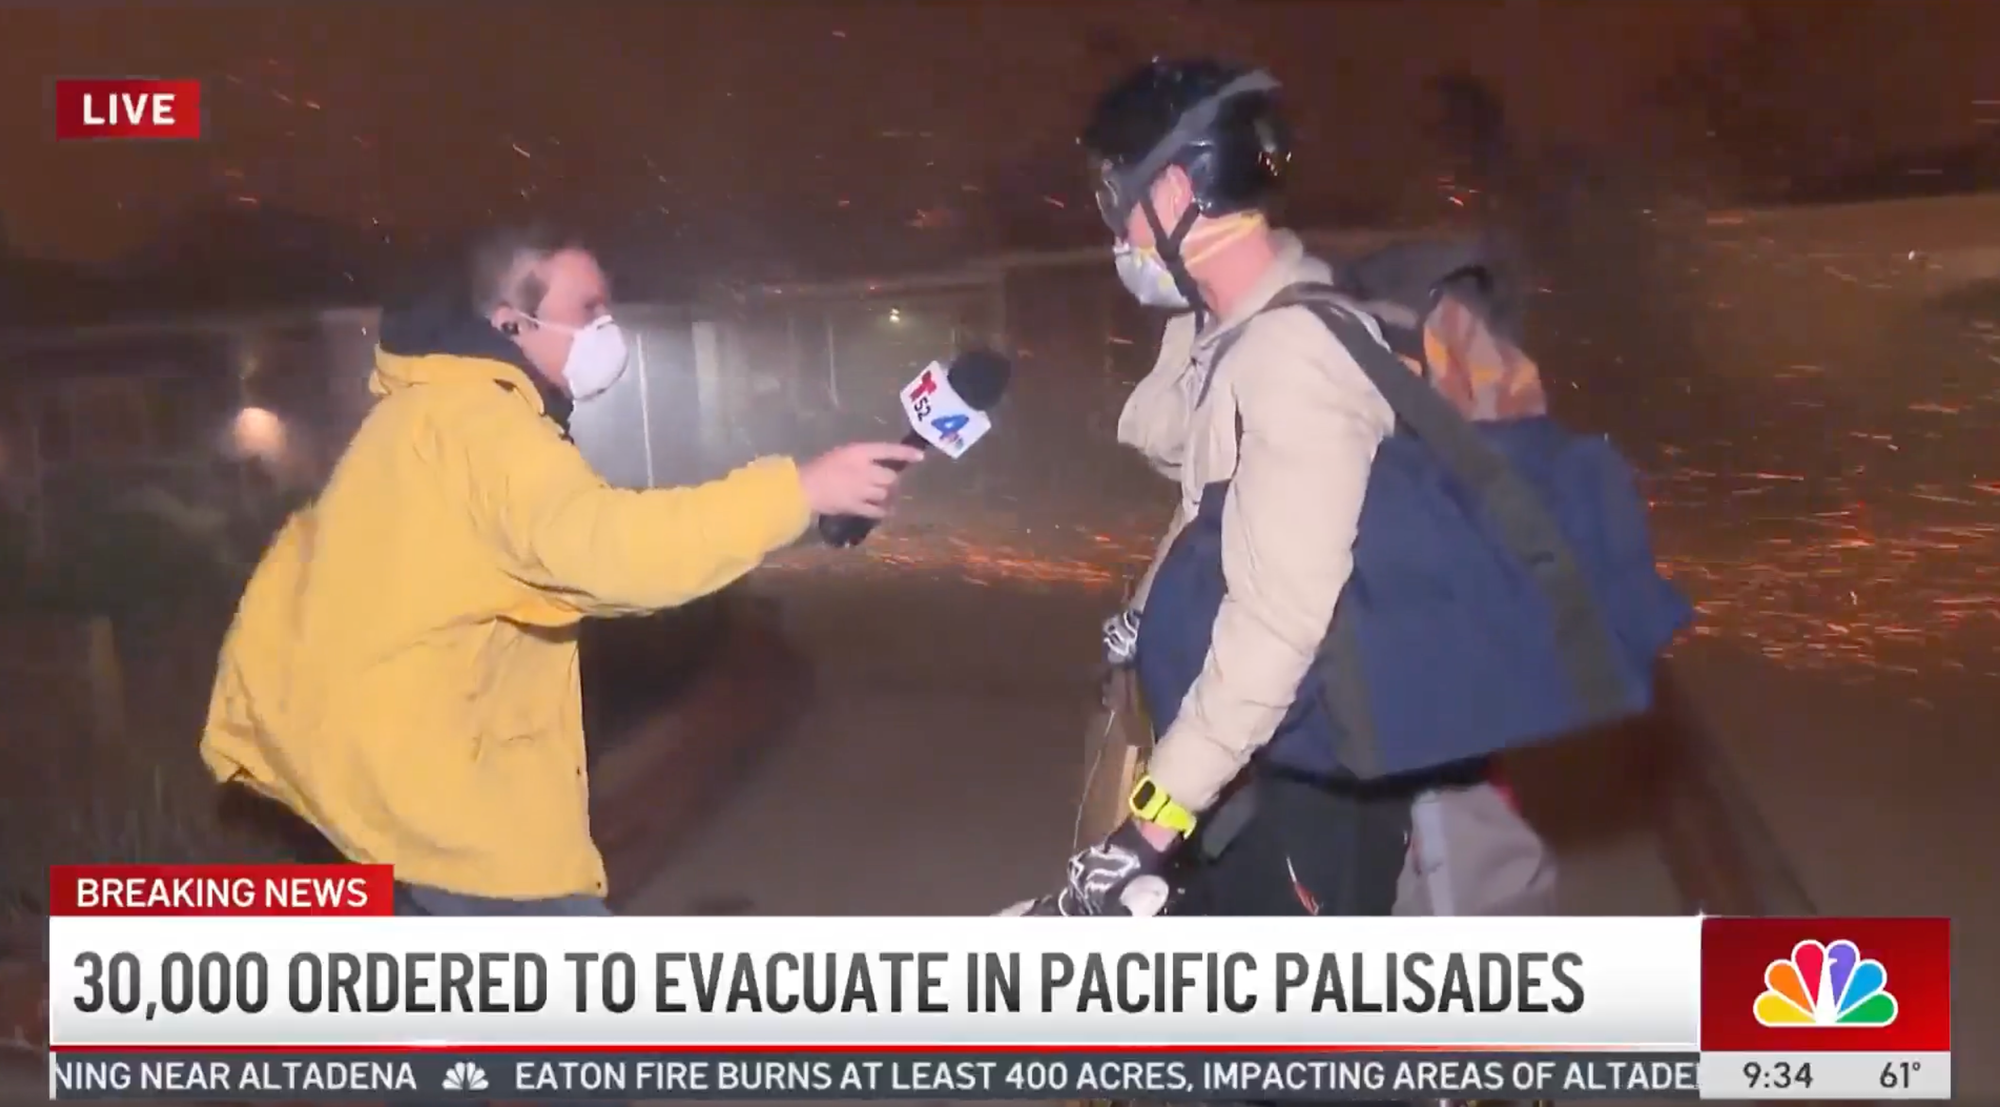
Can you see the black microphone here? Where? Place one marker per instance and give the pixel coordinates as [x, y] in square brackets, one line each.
[980, 378]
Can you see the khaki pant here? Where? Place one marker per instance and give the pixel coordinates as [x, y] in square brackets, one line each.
[1471, 853]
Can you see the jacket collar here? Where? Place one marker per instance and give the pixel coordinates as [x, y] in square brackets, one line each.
[441, 338]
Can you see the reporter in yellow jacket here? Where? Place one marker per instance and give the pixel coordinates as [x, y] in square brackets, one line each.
[402, 669]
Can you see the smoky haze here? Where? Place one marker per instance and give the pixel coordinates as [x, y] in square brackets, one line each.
[1760, 249]
[752, 129]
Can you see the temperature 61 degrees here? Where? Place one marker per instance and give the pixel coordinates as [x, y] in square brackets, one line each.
[1915, 1076]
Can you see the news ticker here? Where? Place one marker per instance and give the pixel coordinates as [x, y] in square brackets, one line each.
[1022, 1074]
[301, 979]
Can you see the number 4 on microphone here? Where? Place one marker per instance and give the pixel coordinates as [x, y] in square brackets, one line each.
[937, 413]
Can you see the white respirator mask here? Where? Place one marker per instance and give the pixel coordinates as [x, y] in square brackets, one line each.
[597, 356]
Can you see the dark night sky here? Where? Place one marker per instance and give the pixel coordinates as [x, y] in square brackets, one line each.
[433, 115]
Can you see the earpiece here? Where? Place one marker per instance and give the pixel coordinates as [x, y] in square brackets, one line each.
[510, 328]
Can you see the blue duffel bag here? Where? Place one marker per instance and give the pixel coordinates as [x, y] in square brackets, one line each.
[1504, 590]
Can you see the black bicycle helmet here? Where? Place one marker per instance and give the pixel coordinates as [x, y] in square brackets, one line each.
[1218, 122]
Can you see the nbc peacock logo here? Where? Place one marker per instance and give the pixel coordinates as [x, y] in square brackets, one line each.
[1825, 985]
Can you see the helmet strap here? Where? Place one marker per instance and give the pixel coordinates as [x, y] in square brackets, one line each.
[1169, 246]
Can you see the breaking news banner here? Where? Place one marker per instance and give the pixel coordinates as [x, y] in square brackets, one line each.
[261, 983]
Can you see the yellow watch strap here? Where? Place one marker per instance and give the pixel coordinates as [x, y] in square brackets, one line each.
[1150, 803]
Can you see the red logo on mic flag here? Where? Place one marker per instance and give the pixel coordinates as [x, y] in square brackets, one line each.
[127, 108]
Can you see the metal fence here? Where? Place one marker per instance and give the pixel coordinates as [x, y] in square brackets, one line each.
[122, 448]
[201, 433]
[210, 425]
[806, 366]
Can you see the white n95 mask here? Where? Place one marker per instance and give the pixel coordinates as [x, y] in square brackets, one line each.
[597, 356]
[1145, 275]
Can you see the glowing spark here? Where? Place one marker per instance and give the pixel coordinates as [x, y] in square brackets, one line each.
[519, 150]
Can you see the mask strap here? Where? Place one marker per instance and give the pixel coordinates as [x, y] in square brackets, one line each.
[1222, 234]
[597, 323]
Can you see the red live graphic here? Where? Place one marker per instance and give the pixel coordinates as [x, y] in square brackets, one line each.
[127, 107]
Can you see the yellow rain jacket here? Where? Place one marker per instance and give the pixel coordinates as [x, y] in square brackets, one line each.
[402, 670]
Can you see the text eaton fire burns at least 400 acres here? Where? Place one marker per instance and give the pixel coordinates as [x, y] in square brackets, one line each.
[423, 982]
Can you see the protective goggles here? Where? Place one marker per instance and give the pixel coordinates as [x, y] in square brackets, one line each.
[1120, 189]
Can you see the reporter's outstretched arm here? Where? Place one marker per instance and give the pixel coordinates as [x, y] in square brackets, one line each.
[559, 528]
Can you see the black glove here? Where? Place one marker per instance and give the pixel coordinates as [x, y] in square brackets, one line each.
[1099, 878]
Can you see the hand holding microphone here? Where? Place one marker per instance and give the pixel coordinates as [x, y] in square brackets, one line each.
[946, 408]
[855, 479]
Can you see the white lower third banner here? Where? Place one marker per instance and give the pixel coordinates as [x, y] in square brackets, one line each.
[387, 1008]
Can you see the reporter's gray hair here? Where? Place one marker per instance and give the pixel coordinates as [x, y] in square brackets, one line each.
[500, 266]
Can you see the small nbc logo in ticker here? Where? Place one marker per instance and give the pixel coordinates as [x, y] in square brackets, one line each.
[1826, 985]
[465, 1077]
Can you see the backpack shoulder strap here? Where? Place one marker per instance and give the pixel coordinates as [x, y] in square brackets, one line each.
[1525, 525]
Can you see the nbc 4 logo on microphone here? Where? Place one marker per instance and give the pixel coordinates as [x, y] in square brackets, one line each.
[1825, 985]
